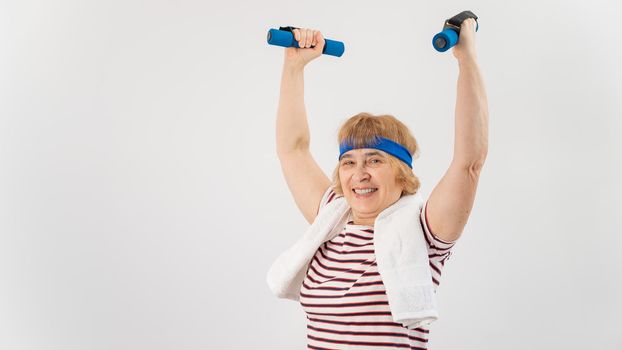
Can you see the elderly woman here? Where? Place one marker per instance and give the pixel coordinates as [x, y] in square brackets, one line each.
[367, 269]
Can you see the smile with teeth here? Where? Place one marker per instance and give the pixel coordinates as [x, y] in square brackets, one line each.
[364, 191]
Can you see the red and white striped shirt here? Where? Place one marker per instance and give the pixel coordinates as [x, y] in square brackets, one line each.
[344, 298]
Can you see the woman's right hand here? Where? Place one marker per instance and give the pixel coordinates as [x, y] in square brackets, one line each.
[299, 57]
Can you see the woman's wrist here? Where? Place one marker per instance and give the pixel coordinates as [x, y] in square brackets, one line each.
[293, 67]
[467, 60]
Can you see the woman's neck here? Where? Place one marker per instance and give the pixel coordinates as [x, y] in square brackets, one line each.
[362, 221]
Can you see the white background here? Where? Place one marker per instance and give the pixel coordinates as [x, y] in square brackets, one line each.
[142, 202]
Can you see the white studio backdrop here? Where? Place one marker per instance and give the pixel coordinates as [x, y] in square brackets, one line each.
[142, 202]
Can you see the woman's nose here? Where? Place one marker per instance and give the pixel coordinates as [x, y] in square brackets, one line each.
[361, 174]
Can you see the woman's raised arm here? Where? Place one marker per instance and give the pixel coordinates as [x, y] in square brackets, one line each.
[451, 201]
[305, 179]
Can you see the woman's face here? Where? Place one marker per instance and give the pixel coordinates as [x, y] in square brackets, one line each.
[364, 169]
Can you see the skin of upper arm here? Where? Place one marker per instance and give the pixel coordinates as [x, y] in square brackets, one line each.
[451, 201]
[306, 181]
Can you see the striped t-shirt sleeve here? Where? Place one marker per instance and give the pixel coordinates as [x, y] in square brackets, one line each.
[438, 247]
[328, 197]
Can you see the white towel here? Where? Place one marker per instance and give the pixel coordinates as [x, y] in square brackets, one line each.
[401, 256]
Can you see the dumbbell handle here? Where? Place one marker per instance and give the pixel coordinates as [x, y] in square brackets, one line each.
[449, 37]
[286, 38]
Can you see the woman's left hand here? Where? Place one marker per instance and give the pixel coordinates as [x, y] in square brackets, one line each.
[465, 48]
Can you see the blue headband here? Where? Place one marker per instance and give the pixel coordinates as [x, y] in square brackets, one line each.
[391, 147]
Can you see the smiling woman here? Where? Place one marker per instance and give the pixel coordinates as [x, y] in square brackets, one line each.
[367, 268]
[369, 178]
[363, 129]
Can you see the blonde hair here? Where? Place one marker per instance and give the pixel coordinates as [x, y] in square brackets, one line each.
[362, 129]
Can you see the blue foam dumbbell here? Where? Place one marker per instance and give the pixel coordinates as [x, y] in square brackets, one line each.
[448, 38]
[285, 38]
